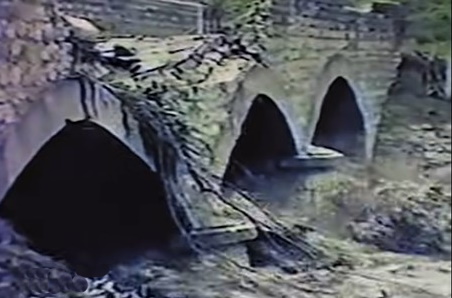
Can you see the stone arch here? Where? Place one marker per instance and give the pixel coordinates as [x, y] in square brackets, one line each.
[265, 140]
[264, 83]
[21, 141]
[89, 200]
[47, 116]
[341, 124]
[59, 172]
[341, 67]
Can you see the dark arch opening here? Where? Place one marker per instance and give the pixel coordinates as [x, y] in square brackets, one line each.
[264, 141]
[341, 123]
[87, 199]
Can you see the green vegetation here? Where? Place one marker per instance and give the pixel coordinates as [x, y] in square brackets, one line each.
[429, 23]
[432, 25]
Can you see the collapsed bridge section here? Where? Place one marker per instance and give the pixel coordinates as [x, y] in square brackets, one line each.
[84, 190]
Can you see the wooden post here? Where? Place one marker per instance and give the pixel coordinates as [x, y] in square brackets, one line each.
[200, 19]
[293, 9]
[200, 13]
[448, 78]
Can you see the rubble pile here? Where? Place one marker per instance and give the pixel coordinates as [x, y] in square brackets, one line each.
[409, 219]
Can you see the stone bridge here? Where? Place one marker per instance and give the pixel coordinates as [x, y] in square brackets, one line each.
[321, 99]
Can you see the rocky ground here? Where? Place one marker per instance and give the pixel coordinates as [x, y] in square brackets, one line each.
[415, 143]
[378, 275]
[411, 180]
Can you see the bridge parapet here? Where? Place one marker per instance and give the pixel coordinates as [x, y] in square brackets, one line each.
[155, 18]
[339, 18]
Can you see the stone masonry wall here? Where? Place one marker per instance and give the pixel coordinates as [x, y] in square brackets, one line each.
[339, 16]
[32, 54]
[176, 17]
[324, 40]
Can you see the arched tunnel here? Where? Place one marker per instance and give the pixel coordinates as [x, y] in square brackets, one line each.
[264, 141]
[88, 199]
[341, 123]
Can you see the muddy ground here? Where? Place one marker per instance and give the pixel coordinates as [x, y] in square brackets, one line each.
[378, 275]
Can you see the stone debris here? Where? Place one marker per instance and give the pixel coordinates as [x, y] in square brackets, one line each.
[25, 273]
[431, 72]
[409, 218]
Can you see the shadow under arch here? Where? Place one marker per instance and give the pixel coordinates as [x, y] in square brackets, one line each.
[86, 198]
[341, 125]
[264, 141]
